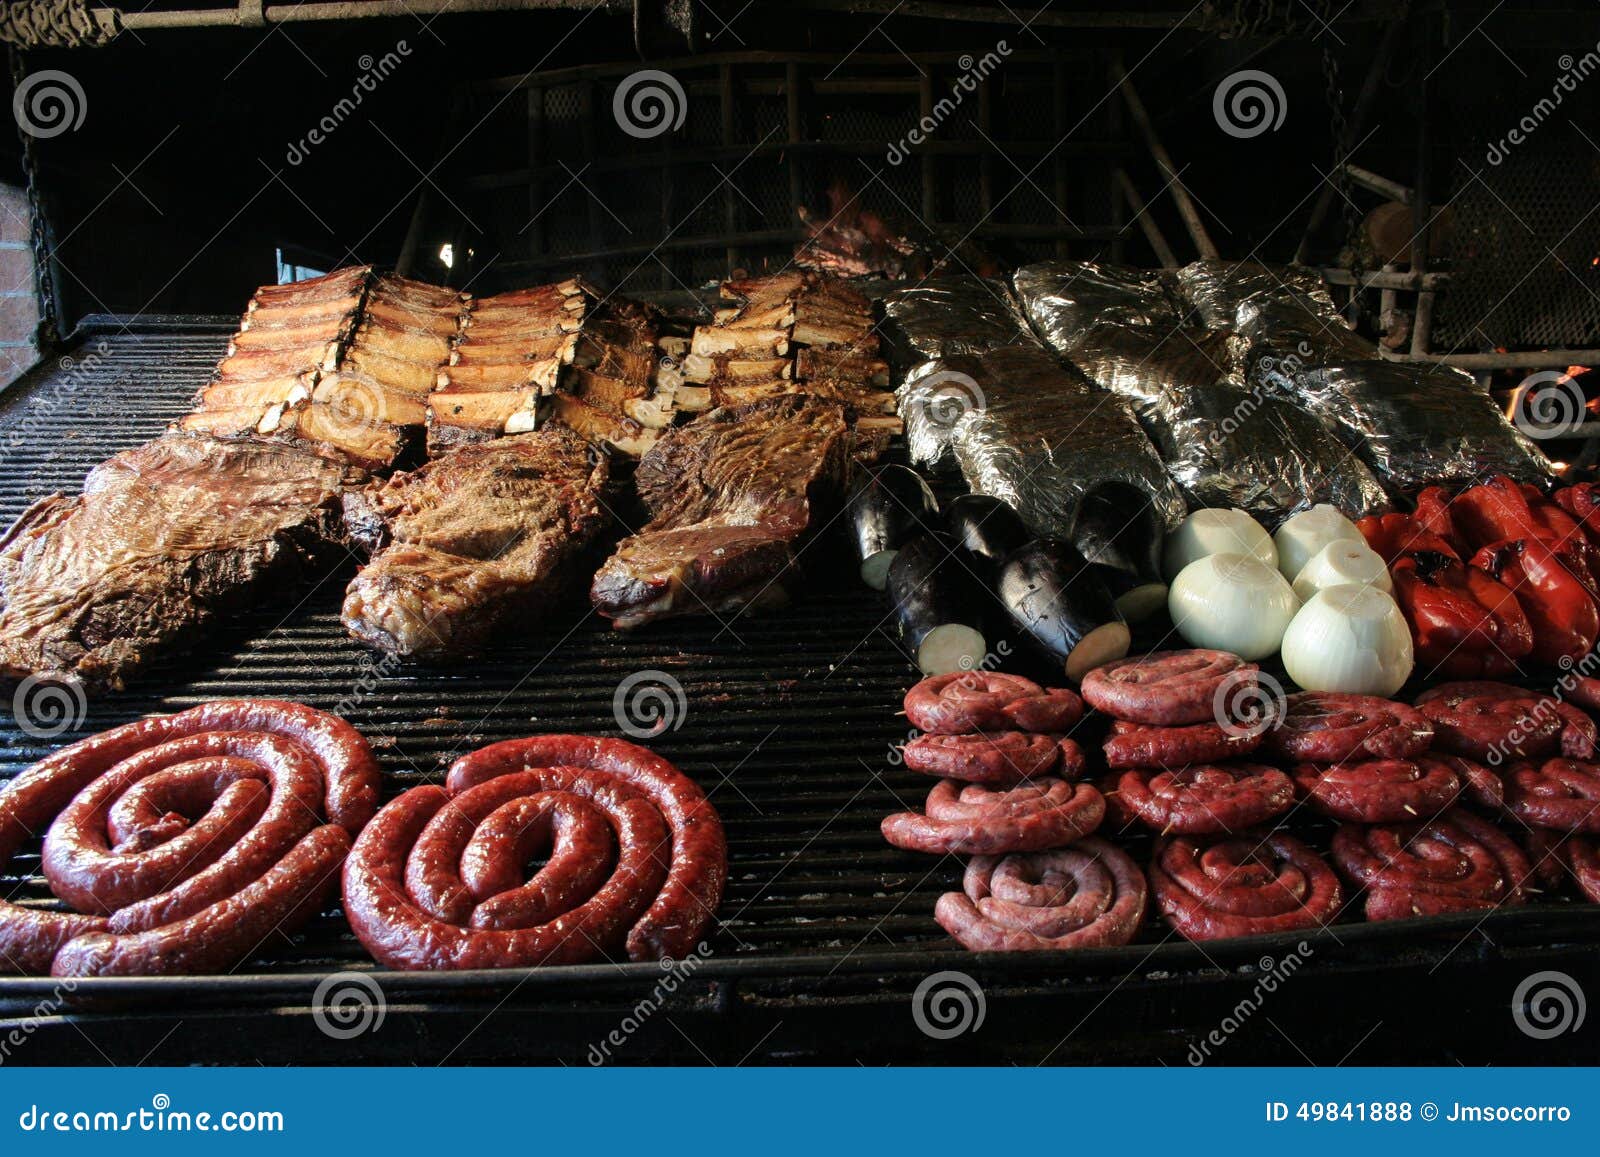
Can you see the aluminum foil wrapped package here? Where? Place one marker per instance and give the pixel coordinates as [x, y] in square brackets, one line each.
[1044, 436]
[950, 317]
[1414, 425]
[1063, 299]
[932, 399]
[1223, 443]
[1218, 289]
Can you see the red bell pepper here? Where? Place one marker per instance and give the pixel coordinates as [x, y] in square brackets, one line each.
[1466, 625]
[1392, 535]
[1583, 503]
[1560, 607]
[1433, 513]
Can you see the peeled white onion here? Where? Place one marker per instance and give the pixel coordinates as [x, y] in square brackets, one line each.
[1232, 602]
[1307, 533]
[1352, 639]
[1339, 563]
[1216, 531]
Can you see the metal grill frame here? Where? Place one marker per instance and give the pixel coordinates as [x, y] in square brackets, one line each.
[841, 923]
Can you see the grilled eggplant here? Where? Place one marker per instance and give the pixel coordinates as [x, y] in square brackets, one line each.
[938, 605]
[1119, 532]
[1060, 600]
[894, 506]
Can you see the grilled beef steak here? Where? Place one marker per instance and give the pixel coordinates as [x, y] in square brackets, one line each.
[471, 541]
[164, 538]
[730, 493]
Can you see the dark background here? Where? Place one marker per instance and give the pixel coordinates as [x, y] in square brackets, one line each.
[175, 194]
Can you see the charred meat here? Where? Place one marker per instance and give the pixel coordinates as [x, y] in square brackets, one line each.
[731, 493]
[472, 541]
[164, 538]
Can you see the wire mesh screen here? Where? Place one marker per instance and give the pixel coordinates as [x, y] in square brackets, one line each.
[758, 138]
[1526, 248]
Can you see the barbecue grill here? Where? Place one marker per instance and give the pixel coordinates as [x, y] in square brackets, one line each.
[788, 720]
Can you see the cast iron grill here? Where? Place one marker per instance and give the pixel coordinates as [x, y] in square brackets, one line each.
[825, 932]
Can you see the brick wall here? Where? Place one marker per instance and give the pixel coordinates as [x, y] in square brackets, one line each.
[19, 309]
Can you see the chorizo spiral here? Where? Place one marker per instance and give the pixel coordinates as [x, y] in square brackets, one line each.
[1086, 895]
[1165, 688]
[1140, 745]
[1242, 886]
[976, 821]
[1378, 791]
[1562, 794]
[1325, 727]
[183, 842]
[1484, 720]
[636, 859]
[1205, 799]
[1449, 864]
[964, 701]
[1000, 758]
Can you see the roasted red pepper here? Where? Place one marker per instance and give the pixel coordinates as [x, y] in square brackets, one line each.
[1433, 513]
[1559, 606]
[1466, 625]
[1393, 535]
[1502, 510]
[1583, 503]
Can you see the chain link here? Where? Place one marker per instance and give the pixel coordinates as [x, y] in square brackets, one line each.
[49, 333]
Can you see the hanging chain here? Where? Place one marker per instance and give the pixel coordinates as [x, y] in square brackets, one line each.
[49, 333]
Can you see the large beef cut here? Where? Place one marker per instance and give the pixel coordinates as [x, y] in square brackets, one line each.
[163, 539]
[730, 493]
[471, 541]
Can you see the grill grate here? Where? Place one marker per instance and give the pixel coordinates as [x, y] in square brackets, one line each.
[789, 720]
